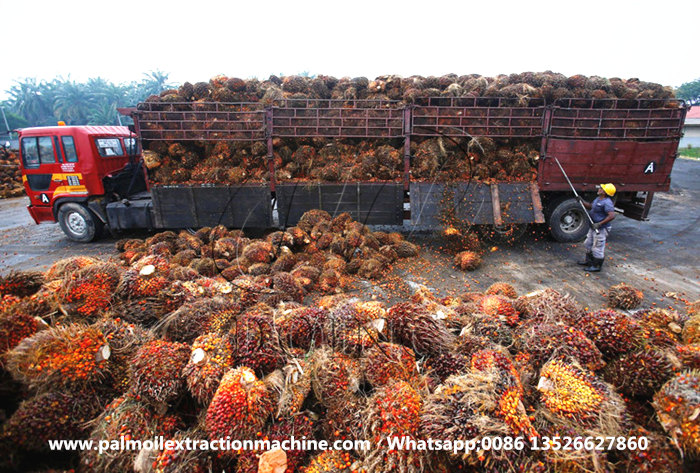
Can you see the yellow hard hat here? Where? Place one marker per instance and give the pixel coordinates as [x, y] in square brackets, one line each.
[608, 189]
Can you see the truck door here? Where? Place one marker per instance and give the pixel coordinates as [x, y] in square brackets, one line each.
[42, 169]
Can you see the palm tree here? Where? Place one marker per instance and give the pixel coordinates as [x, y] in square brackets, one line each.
[72, 103]
[154, 83]
[103, 114]
[32, 100]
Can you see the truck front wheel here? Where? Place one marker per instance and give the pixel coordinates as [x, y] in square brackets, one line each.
[78, 223]
[568, 222]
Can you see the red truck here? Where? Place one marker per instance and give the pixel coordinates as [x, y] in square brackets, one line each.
[88, 178]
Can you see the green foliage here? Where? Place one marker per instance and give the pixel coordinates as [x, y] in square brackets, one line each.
[690, 92]
[95, 102]
[689, 152]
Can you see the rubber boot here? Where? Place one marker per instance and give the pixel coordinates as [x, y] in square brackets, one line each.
[595, 266]
[587, 261]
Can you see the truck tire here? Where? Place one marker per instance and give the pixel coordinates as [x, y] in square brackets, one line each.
[568, 221]
[78, 223]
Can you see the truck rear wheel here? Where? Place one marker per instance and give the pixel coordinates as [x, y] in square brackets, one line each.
[78, 223]
[568, 222]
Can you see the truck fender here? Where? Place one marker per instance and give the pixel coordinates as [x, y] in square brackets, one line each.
[93, 205]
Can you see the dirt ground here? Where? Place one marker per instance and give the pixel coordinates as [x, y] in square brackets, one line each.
[659, 256]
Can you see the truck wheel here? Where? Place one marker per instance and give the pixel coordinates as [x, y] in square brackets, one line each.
[78, 223]
[568, 222]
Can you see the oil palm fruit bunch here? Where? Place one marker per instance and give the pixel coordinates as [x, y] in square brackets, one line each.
[677, 406]
[21, 283]
[69, 357]
[546, 340]
[335, 376]
[301, 327]
[330, 461]
[385, 362]
[502, 289]
[182, 461]
[499, 306]
[124, 340]
[467, 260]
[393, 411]
[296, 385]
[156, 371]
[614, 333]
[550, 306]
[623, 296]
[16, 325]
[211, 357]
[60, 268]
[88, 292]
[240, 407]
[414, 326]
[125, 418]
[254, 342]
[639, 373]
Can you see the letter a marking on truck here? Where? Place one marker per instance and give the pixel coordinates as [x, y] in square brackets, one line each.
[651, 167]
[44, 198]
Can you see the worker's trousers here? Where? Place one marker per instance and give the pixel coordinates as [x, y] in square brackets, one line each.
[595, 242]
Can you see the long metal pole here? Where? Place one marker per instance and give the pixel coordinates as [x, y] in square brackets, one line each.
[576, 194]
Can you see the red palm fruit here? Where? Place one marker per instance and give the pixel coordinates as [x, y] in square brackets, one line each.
[156, 370]
[301, 327]
[550, 306]
[499, 306]
[467, 260]
[69, 265]
[140, 284]
[665, 325]
[259, 252]
[414, 326]
[335, 376]
[640, 373]
[288, 287]
[689, 355]
[330, 281]
[124, 340]
[69, 357]
[182, 461]
[613, 333]
[329, 461]
[15, 326]
[405, 249]
[441, 366]
[21, 284]
[240, 407]
[392, 411]
[502, 289]
[659, 457]
[691, 330]
[128, 418]
[543, 341]
[575, 394]
[312, 218]
[88, 291]
[210, 359]
[254, 342]
[385, 362]
[161, 265]
[49, 416]
[677, 406]
[191, 319]
[623, 296]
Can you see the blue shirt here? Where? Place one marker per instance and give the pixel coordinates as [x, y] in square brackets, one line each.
[600, 207]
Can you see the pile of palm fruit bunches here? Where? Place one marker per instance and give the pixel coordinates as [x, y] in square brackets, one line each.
[215, 335]
[10, 176]
[340, 160]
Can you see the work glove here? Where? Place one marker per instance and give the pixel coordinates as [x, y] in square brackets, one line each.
[596, 226]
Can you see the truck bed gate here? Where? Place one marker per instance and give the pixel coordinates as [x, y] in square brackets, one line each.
[208, 206]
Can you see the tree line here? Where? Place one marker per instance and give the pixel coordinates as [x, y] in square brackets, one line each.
[95, 102]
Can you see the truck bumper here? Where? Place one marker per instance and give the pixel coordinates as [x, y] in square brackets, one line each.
[41, 214]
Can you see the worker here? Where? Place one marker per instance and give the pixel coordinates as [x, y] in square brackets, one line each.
[602, 212]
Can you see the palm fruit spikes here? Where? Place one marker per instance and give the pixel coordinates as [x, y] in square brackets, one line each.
[88, 291]
[21, 284]
[16, 325]
[545, 340]
[156, 370]
[499, 306]
[70, 357]
[386, 362]
[182, 461]
[640, 373]
[211, 357]
[240, 407]
[467, 260]
[335, 376]
[502, 289]
[624, 296]
[614, 333]
[330, 461]
[414, 326]
[677, 407]
[296, 386]
[574, 393]
[392, 411]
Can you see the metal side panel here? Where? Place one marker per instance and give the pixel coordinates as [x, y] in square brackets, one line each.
[370, 203]
[202, 206]
[473, 203]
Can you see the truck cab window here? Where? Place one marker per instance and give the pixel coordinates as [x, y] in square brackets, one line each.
[69, 149]
[130, 145]
[46, 155]
[30, 152]
[109, 147]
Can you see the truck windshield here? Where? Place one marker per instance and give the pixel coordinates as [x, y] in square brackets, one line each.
[108, 147]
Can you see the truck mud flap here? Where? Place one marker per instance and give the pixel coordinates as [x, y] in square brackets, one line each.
[475, 203]
[378, 203]
[208, 206]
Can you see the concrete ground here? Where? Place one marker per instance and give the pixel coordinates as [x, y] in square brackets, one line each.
[659, 256]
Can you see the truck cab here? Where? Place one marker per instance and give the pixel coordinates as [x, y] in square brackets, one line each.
[71, 173]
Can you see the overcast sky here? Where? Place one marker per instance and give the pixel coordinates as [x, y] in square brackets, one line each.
[655, 41]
